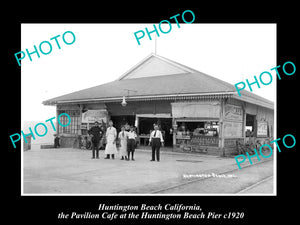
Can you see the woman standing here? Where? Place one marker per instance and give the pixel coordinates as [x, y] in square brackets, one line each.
[123, 135]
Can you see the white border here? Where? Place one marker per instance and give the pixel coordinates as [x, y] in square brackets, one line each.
[211, 194]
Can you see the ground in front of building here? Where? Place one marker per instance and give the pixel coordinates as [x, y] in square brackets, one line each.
[72, 171]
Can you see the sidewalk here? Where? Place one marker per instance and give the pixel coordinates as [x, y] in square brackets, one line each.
[72, 171]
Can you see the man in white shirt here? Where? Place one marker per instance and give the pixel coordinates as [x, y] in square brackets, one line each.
[156, 140]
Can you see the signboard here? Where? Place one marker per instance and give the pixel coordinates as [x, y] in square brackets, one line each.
[233, 129]
[262, 129]
[233, 112]
[205, 141]
[83, 126]
[91, 116]
[195, 110]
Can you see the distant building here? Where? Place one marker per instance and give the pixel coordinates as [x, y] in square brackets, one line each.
[197, 112]
[38, 141]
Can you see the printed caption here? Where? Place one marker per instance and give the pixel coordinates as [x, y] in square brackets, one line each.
[152, 212]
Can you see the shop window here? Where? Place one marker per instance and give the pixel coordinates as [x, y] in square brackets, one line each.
[74, 126]
[206, 128]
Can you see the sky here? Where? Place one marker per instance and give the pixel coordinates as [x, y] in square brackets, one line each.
[103, 52]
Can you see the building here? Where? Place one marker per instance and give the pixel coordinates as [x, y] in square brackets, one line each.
[196, 112]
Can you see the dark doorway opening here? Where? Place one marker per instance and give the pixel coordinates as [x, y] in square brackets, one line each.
[120, 121]
[165, 125]
[250, 125]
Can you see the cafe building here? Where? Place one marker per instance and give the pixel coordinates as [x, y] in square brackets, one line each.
[196, 112]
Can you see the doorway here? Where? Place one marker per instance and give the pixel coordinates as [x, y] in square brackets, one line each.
[250, 128]
[165, 125]
[119, 121]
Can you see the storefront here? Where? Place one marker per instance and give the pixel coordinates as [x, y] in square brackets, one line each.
[196, 125]
[195, 112]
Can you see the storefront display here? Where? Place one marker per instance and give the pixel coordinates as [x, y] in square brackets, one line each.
[194, 135]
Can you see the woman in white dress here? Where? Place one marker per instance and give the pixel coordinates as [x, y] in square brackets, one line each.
[111, 136]
[123, 135]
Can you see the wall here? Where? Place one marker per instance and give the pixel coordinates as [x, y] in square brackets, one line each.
[262, 115]
[69, 141]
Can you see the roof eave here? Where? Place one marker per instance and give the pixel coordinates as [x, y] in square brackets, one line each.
[216, 95]
[266, 104]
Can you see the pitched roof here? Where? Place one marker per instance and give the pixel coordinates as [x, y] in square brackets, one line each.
[156, 77]
[154, 65]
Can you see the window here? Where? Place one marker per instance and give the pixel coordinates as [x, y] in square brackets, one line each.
[200, 128]
[74, 126]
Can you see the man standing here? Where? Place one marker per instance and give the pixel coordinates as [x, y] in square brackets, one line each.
[156, 140]
[56, 141]
[111, 137]
[131, 142]
[96, 133]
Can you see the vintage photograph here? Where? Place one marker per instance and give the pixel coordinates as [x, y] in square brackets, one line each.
[105, 115]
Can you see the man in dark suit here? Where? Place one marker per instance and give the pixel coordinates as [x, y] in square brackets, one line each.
[156, 140]
[56, 141]
[96, 133]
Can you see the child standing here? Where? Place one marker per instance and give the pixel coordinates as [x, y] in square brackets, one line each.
[123, 135]
[131, 142]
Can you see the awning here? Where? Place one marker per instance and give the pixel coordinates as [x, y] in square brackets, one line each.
[196, 110]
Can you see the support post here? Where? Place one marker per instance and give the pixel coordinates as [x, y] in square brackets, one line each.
[57, 124]
[222, 135]
[174, 132]
[80, 119]
[244, 123]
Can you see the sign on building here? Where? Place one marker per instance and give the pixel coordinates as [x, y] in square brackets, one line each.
[233, 112]
[233, 124]
[233, 129]
[91, 116]
[262, 129]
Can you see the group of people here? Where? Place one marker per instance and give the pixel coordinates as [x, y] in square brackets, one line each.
[125, 141]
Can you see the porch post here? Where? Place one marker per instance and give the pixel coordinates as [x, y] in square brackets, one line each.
[80, 119]
[222, 135]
